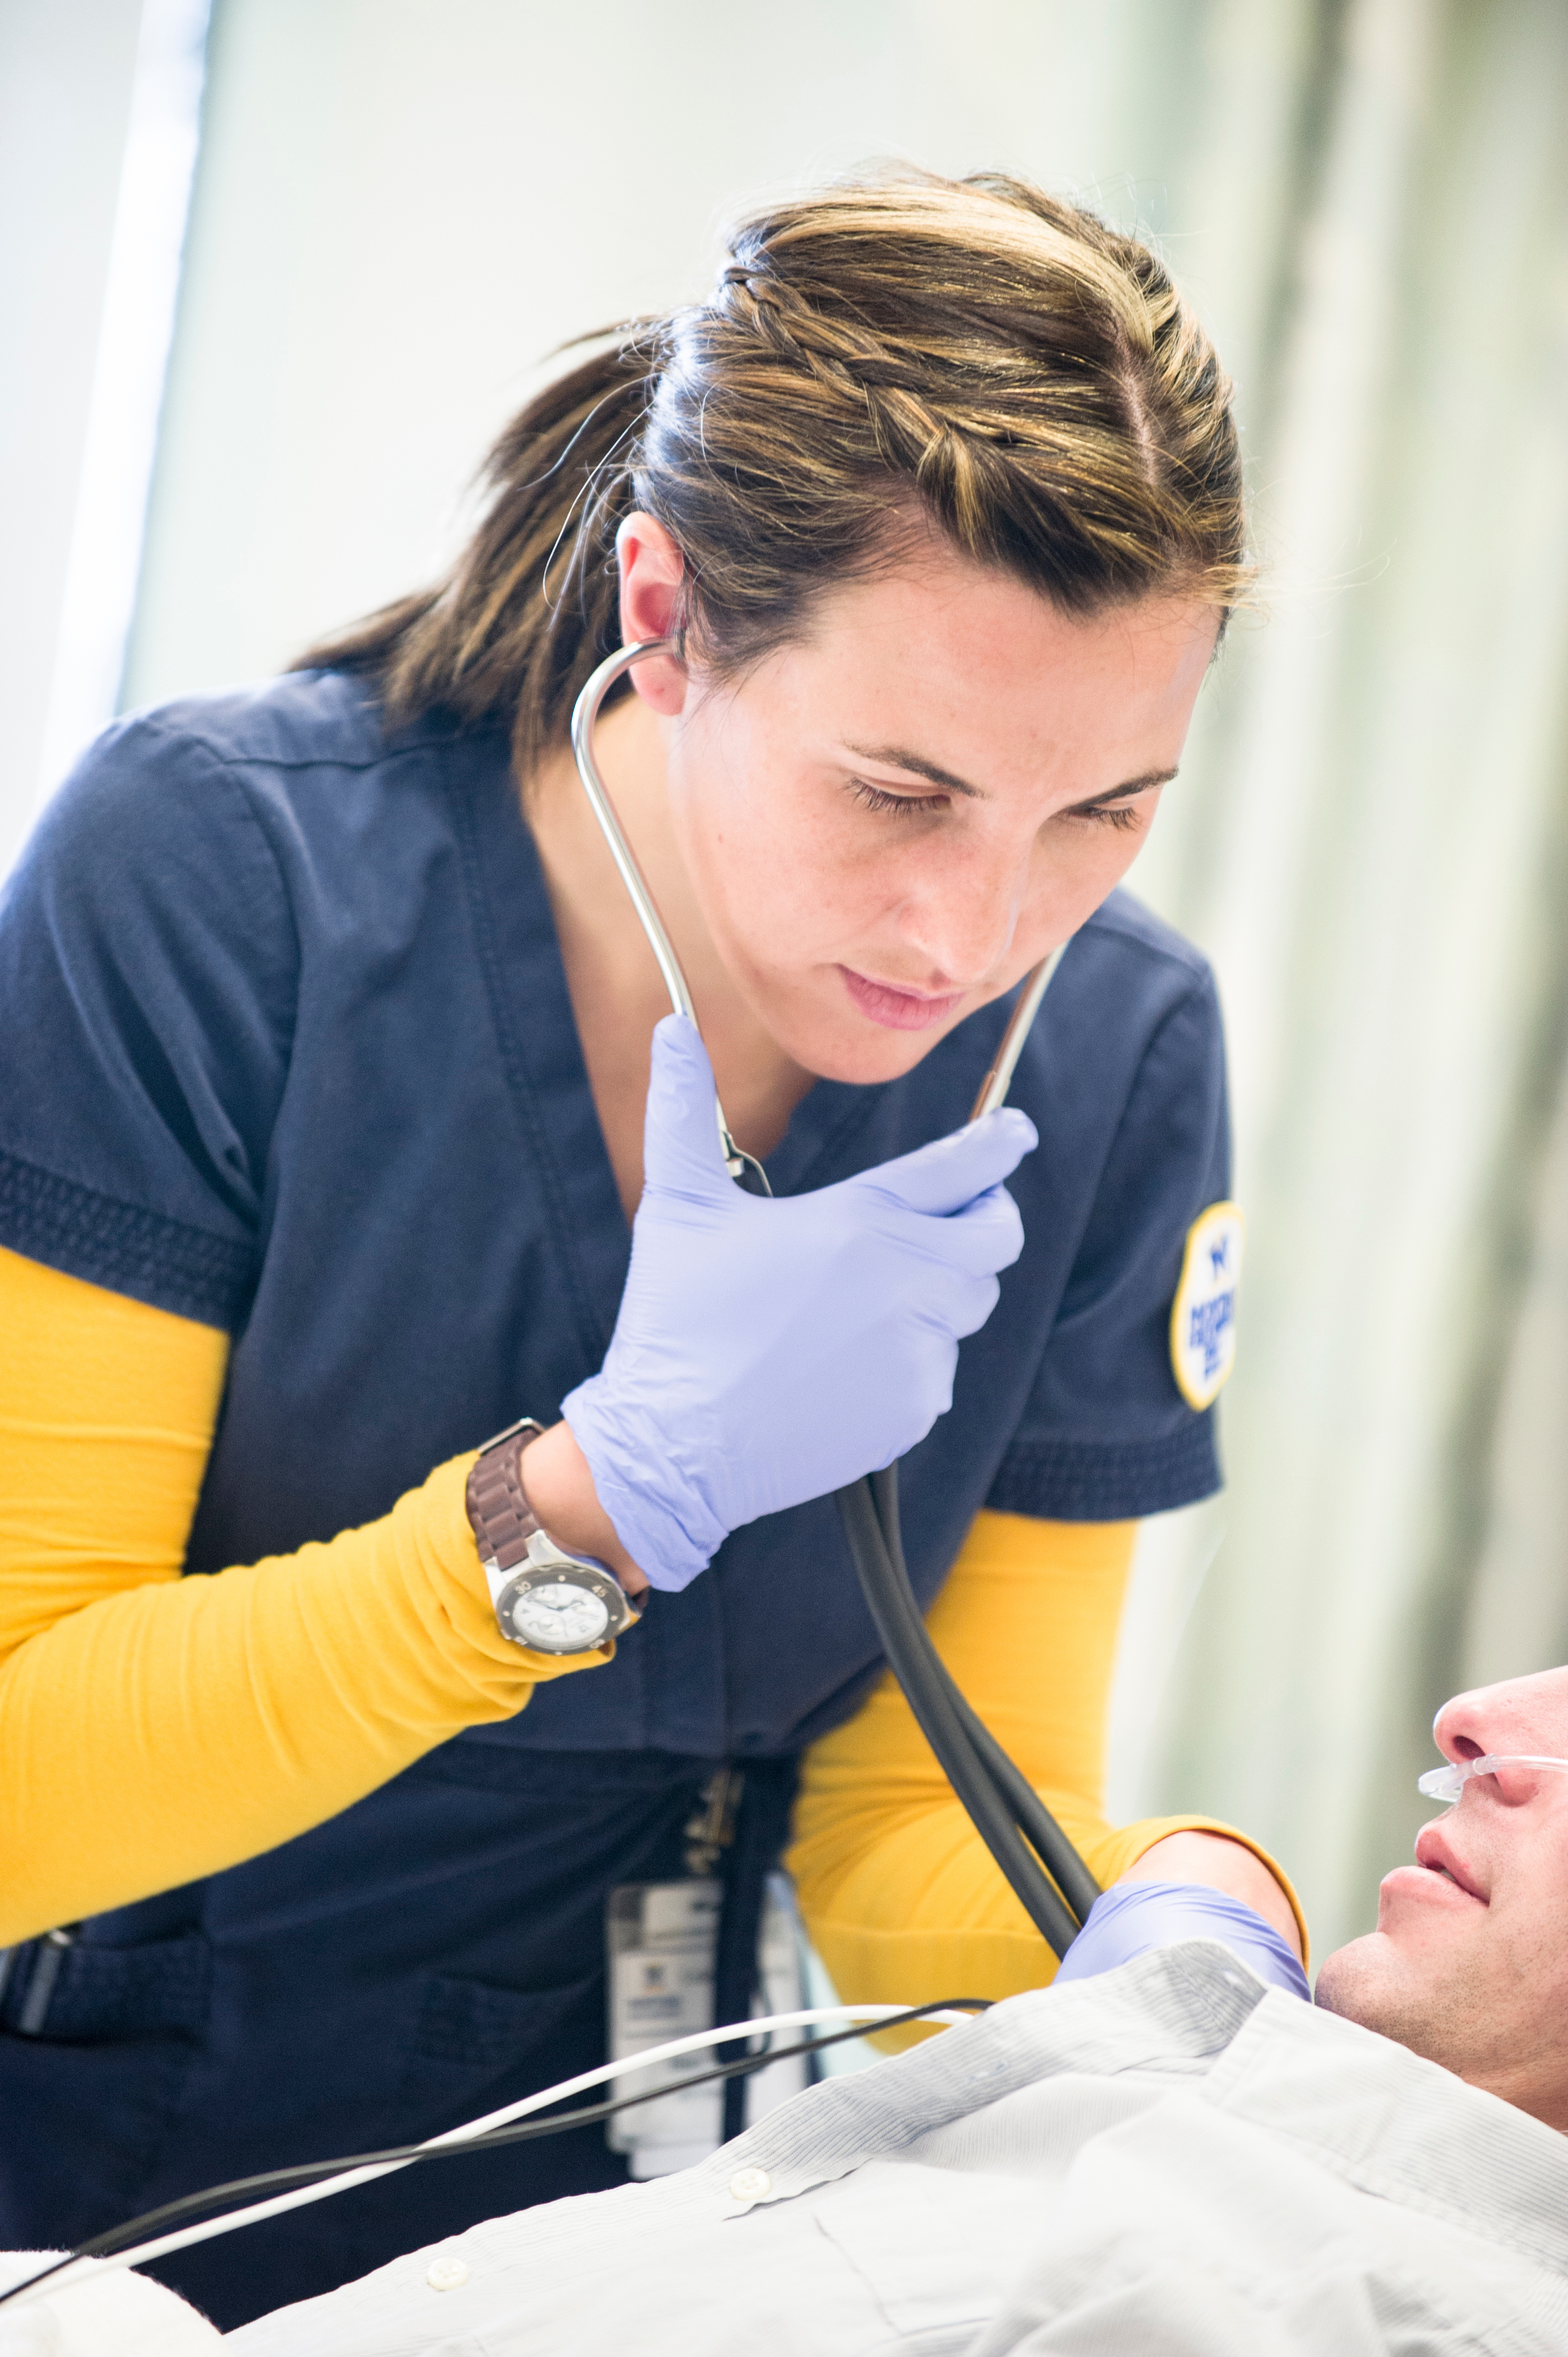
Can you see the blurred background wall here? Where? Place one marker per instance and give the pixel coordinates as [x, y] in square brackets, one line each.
[398, 207]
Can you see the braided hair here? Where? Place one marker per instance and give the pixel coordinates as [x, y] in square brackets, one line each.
[878, 359]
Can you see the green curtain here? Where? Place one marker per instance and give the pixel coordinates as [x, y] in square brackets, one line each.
[1369, 839]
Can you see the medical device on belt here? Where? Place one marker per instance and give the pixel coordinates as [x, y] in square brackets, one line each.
[1051, 1880]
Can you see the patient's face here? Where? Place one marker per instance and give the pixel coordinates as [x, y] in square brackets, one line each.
[1469, 1963]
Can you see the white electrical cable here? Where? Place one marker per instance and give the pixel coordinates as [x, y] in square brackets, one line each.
[627, 2067]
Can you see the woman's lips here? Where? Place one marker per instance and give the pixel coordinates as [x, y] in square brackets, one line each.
[896, 1009]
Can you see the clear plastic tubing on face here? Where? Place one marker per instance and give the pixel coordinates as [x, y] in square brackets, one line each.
[1447, 1783]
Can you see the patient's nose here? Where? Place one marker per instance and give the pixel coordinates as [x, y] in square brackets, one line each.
[1527, 1715]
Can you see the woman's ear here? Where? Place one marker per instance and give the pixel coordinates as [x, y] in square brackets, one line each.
[651, 572]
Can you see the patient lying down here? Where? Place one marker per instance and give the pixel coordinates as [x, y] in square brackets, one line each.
[1167, 2152]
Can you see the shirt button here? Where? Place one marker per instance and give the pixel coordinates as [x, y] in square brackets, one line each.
[749, 2185]
[446, 2271]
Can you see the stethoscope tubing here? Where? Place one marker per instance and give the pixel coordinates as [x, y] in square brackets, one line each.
[1051, 1879]
[1013, 1821]
[742, 1168]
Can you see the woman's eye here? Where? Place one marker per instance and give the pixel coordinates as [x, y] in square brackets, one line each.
[1118, 815]
[878, 798]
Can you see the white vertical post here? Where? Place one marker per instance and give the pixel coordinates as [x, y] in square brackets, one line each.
[128, 379]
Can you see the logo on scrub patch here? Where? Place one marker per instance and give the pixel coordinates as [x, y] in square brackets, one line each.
[1203, 1315]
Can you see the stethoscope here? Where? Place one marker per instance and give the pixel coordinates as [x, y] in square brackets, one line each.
[1020, 1832]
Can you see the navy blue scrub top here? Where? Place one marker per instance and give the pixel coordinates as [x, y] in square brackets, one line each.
[287, 1048]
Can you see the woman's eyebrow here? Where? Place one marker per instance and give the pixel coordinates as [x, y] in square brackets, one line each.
[896, 757]
[1142, 785]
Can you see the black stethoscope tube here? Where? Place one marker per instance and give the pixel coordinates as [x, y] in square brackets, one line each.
[1034, 1820]
[1011, 1820]
[991, 1799]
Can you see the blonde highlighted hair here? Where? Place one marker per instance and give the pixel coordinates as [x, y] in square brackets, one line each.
[974, 356]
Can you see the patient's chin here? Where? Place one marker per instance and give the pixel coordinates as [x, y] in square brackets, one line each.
[1458, 2009]
[1353, 1982]
[1433, 2009]
[1372, 1982]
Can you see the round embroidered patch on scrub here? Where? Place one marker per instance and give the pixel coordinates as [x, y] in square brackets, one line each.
[1203, 1315]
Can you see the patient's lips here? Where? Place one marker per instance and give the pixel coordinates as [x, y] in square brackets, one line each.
[1439, 1885]
[1435, 1852]
[1413, 1893]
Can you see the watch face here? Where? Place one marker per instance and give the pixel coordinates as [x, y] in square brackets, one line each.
[559, 1616]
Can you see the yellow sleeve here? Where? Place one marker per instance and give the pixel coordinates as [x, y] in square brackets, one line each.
[900, 1896]
[155, 1729]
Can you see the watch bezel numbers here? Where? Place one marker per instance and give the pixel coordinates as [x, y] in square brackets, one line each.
[567, 1573]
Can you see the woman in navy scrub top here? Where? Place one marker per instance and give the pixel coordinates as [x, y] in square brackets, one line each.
[321, 1132]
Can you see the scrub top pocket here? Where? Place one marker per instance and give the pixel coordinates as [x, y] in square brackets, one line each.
[470, 2042]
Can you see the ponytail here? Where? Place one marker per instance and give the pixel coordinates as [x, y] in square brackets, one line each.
[530, 607]
[892, 353]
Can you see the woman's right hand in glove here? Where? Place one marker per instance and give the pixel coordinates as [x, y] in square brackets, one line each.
[770, 1351]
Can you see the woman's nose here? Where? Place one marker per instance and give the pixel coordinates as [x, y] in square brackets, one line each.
[965, 919]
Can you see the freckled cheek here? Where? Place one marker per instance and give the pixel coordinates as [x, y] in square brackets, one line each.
[1070, 876]
[773, 902]
[790, 880]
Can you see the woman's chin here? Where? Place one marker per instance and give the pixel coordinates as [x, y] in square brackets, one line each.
[863, 1055]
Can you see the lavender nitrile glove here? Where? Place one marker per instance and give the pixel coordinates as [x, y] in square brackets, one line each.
[1133, 1917]
[767, 1352]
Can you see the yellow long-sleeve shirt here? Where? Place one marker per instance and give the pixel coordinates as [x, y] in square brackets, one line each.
[155, 1728]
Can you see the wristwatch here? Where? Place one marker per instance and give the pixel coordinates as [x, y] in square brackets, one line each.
[544, 1598]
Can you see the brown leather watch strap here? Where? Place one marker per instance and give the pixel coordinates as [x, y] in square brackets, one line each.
[498, 1504]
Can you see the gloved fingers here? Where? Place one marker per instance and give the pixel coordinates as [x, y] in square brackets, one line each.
[985, 1236]
[953, 1302]
[980, 1299]
[951, 1171]
[680, 1150]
